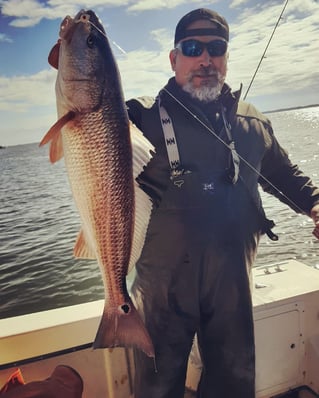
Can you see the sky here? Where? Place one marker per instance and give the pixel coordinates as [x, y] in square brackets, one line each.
[142, 33]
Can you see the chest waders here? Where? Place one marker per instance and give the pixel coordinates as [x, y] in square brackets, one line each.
[192, 278]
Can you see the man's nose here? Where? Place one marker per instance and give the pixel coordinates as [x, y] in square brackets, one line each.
[205, 58]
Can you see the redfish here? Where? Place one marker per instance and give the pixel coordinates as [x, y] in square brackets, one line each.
[103, 154]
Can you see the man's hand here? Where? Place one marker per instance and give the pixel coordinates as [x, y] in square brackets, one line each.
[314, 214]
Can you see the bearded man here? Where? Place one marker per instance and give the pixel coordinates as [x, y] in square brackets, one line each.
[193, 274]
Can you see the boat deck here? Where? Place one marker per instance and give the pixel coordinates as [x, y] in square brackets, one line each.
[286, 308]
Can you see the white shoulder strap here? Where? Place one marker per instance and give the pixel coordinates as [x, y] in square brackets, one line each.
[169, 135]
[172, 148]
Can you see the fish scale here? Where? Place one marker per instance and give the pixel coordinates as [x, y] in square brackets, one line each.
[96, 138]
[104, 200]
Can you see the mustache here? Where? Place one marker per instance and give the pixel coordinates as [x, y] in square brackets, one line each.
[207, 71]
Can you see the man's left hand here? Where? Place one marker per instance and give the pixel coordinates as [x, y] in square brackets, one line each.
[314, 214]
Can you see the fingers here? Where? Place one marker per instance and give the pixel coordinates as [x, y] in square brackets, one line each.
[314, 214]
[315, 232]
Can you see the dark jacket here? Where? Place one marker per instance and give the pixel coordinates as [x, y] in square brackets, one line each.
[263, 160]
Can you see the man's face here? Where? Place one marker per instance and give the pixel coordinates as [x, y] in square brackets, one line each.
[202, 76]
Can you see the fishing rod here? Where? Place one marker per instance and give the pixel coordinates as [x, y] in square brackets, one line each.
[103, 34]
[264, 53]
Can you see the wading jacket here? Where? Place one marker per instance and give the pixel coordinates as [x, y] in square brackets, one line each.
[262, 160]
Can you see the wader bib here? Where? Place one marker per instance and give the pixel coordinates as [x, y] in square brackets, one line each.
[192, 277]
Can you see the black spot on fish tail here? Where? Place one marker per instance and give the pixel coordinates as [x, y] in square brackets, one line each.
[126, 308]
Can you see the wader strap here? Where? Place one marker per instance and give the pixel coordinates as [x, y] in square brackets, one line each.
[169, 135]
[172, 148]
[267, 224]
[234, 166]
[174, 160]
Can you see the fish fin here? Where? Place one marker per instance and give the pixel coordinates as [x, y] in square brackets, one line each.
[143, 209]
[141, 148]
[53, 57]
[56, 148]
[54, 135]
[123, 327]
[82, 249]
[142, 153]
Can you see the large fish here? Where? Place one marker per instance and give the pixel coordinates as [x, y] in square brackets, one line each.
[95, 136]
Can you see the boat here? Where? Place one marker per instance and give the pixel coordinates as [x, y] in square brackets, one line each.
[286, 318]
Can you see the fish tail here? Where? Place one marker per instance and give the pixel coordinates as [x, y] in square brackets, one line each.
[123, 327]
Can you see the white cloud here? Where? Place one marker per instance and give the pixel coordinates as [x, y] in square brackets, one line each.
[30, 12]
[27, 103]
[303, 6]
[146, 5]
[291, 59]
[5, 38]
[141, 73]
[27, 107]
[290, 62]
[22, 92]
[237, 3]
[144, 72]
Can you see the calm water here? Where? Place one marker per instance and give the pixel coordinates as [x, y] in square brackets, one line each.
[39, 224]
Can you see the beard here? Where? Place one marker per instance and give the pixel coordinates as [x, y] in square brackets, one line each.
[210, 89]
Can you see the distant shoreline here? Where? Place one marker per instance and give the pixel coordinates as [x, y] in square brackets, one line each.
[271, 111]
[291, 109]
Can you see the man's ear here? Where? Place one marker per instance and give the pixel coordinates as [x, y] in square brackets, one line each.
[172, 58]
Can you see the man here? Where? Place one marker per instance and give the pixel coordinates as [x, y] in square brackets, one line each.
[212, 150]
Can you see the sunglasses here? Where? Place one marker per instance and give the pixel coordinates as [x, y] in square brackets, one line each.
[195, 48]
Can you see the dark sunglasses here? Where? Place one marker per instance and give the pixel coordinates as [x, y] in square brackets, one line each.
[195, 48]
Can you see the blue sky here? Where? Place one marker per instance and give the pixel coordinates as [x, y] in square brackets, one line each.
[144, 29]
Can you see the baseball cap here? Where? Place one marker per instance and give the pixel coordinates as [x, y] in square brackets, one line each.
[221, 29]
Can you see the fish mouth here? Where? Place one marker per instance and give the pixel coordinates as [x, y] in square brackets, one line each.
[67, 28]
[87, 18]
[69, 24]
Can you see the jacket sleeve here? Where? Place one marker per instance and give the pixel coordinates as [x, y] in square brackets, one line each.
[295, 188]
[135, 109]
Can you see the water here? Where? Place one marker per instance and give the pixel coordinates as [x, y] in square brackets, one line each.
[297, 131]
[38, 227]
[39, 223]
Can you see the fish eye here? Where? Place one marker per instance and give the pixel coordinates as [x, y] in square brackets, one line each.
[90, 41]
